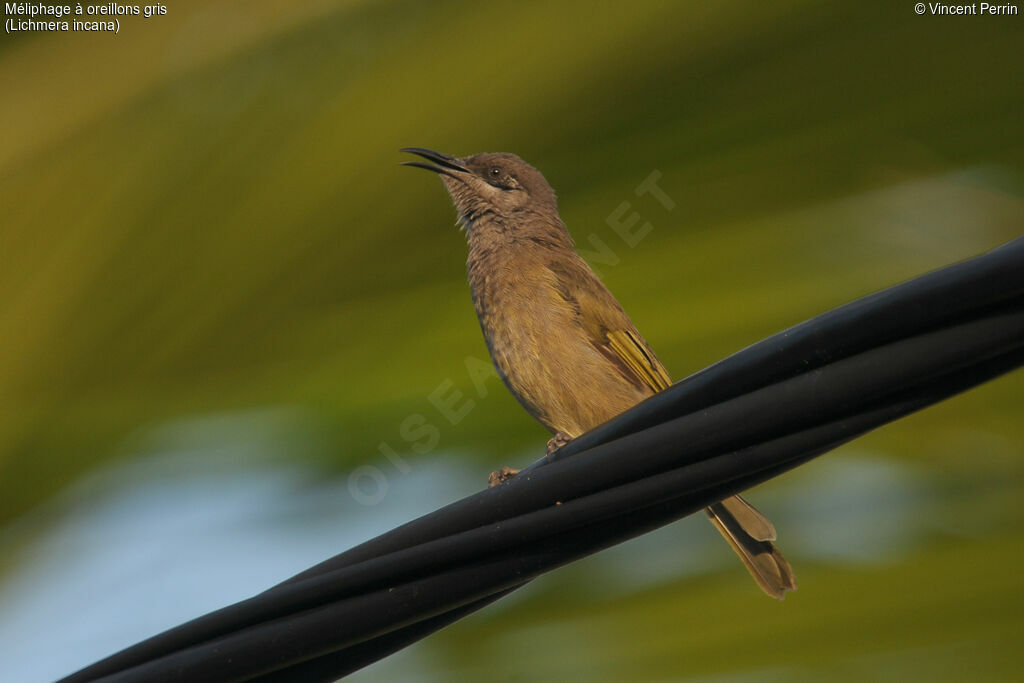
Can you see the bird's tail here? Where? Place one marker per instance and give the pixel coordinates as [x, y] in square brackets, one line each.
[751, 534]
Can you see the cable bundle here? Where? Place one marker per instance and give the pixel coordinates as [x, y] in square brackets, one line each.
[737, 423]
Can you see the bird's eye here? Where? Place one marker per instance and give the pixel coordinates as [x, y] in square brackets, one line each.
[498, 177]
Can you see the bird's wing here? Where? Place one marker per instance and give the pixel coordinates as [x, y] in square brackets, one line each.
[608, 327]
[610, 330]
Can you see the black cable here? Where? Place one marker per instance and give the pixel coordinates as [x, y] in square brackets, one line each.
[738, 423]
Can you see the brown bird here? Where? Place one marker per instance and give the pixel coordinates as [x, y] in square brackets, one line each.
[560, 341]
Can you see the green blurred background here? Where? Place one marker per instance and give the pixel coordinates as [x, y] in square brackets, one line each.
[220, 294]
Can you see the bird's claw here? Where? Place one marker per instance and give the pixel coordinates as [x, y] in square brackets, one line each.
[500, 476]
[556, 442]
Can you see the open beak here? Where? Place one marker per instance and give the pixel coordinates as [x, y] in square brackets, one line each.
[442, 162]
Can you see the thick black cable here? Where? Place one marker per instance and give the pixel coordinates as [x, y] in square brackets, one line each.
[750, 417]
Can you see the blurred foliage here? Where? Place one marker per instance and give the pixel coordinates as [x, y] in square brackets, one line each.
[205, 213]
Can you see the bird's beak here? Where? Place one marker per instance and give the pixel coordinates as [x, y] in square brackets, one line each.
[442, 162]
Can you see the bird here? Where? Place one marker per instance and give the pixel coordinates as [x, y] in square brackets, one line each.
[559, 340]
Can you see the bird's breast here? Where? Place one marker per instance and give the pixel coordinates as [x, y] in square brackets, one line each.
[542, 351]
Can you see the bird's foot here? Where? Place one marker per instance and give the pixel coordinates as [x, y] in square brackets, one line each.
[500, 476]
[556, 442]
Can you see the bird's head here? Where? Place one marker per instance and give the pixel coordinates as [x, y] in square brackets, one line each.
[499, 186]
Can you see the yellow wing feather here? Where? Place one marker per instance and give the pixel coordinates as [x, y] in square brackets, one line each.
[638, 359]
